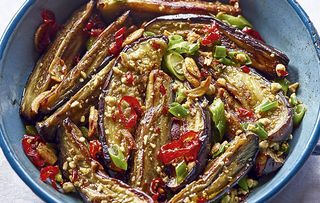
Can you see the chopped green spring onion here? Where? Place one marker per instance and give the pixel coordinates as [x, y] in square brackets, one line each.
[293, 100]
[175, 39]
[218, 117]
[240, 57]
[117, 157]
[226, 61]
[238, 22]
[84, 131]
[173, 61]
[243, 184]
[260, 131]
[220, 52]
[185, 48]
[284, 84]
[178, 110]
[221, 150]
[177, 44]
[148, 34]
[181, 171]
[180, 95]
[267, 106]
[31, 130]
[298, 114]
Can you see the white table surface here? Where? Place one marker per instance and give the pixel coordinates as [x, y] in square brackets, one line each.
[306, 183]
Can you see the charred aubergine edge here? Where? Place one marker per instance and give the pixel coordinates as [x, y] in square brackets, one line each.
[78, 105]
[63, 48]
[223, 172]
[264, 57]
[91, 181]
[121, 101]
[86, 67]
[110, 7]
[152, 132]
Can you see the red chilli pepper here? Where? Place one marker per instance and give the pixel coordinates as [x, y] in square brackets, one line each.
[212, 35]
[201, 200]
[47, 30]
[29, 145]
[49, 172]
[204, 74]
[115, 47]
[282, 73]
[162, 89]
[245, 114]
[245, 69]
[130, 78]
[95, 148]
[135, 111]
[95, 26]
[187, 146]
[48, 17]
[157, 188]
[253, 33]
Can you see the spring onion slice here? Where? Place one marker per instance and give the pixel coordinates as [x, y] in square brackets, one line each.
[267, 106]
[181, 171]
[117, 157]
[218, 117]
[178, 110]
[298, 114]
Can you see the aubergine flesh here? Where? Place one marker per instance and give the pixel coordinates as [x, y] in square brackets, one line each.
[78, 105]
[264, 57]
[198, 120]
[152, 132]
[68, 44]
[137, 61]
[87, 66]
[252, 90]
[224, 172]
[91, 181]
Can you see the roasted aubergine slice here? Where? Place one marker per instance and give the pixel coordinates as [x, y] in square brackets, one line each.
[195, 131]
[68, 43]
[121, 101]
[110, 7]
[260, 107]
[152, 132]
[91, 181]
[223, 172]
[263, 57]
[78, 105]
[86, 67]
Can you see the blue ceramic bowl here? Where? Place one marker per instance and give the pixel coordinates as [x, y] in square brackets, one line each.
[283, 24]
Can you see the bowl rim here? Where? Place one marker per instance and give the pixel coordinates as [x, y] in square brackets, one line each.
[44, 195]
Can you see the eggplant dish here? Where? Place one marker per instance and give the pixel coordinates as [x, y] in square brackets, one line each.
[157, 101]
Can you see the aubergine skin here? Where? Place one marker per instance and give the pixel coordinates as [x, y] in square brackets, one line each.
[138, 60]
[109, 7]
[91, 182]
[68, 43]
[250, 89]
[264, 57]
[152, 132]
[199, 120]
[235, 162]
[78, 105]
[87, 66]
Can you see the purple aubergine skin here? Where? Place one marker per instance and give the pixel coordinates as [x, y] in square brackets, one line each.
[286, 127]
[101, 129]
[206, 141]
[83, 149]
[265, 56]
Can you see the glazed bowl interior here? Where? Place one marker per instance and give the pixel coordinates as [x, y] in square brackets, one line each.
[281, 23]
